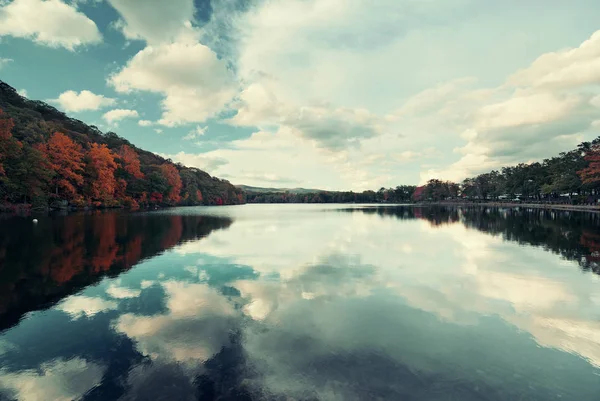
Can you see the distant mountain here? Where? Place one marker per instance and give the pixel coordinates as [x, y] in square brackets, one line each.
[48, 158]
[249, 189]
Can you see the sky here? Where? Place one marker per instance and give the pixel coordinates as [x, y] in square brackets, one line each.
[328, 94]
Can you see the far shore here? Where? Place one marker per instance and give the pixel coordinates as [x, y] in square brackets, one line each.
[549, 206]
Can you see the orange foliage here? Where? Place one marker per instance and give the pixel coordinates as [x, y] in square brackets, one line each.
[67, 260]
[131, 161]
[65, 157]
[170, 172]
[105, 233]
[591, 173]
[173, 236]
[199, 196]
[103, 163]
[133, 252]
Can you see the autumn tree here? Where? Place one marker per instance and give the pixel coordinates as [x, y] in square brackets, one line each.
[101, 171]
[171, 174]
[591, 174]
[130, 161]
[66, 160]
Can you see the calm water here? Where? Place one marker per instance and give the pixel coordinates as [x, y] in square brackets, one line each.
[307, 302]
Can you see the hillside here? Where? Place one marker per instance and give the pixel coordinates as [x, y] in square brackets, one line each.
[249, 189]
[86, 167]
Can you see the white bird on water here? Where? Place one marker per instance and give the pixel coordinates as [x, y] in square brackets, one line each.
[35, 221]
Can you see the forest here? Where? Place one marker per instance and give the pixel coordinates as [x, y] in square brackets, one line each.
[48, 160]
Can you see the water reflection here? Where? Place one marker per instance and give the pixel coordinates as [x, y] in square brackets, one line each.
[573, 235]
[307, 304]
[42, 263]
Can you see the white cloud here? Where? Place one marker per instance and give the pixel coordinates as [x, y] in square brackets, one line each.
[122, 292]
[568, 68]
[145, 123]
[59, 380]
[71, 101]
[22, 92]
[158, 130]
[153, 21]
[196, 84]
[538, 112]
[119, 114]
[195, 133]
[201, 161]
[192, 308]
[147, 284]
[48, 22]
[5, 61]
[80, 305]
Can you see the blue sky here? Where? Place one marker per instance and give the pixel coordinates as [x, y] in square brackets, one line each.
[335, 94]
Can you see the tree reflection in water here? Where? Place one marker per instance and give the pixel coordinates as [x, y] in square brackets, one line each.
[41, 264]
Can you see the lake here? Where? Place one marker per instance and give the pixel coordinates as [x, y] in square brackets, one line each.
[301, 302]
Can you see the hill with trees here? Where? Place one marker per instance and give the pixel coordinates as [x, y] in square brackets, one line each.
[48, 159]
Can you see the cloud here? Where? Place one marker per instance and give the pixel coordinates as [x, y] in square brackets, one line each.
[5, 61]
[145, 123]
[201, 161]
[192, 308]
[119, 114]
[334, 129]
[196, 84]
[73, 102]
[329, 127]
[250, 161]
[569, 68]
[153, 21]
[59, 379]
[537, 112]
[196, 133]
[50, 23]
[265, 177]
[22, 92]
[78, 306]
[121, 292]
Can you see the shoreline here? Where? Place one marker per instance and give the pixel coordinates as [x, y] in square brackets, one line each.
[548, 206]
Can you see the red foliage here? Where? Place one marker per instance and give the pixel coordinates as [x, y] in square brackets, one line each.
[65, 157]
[131, 161]
[156, 197]
[199, 195]
[170, 172]
[591, 173]
[102, 162]
[173, 235]
[418, 194]
[105, 233]
[143, 198]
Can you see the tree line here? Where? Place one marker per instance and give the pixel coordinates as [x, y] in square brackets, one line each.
[400, 194]
[570, 177]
